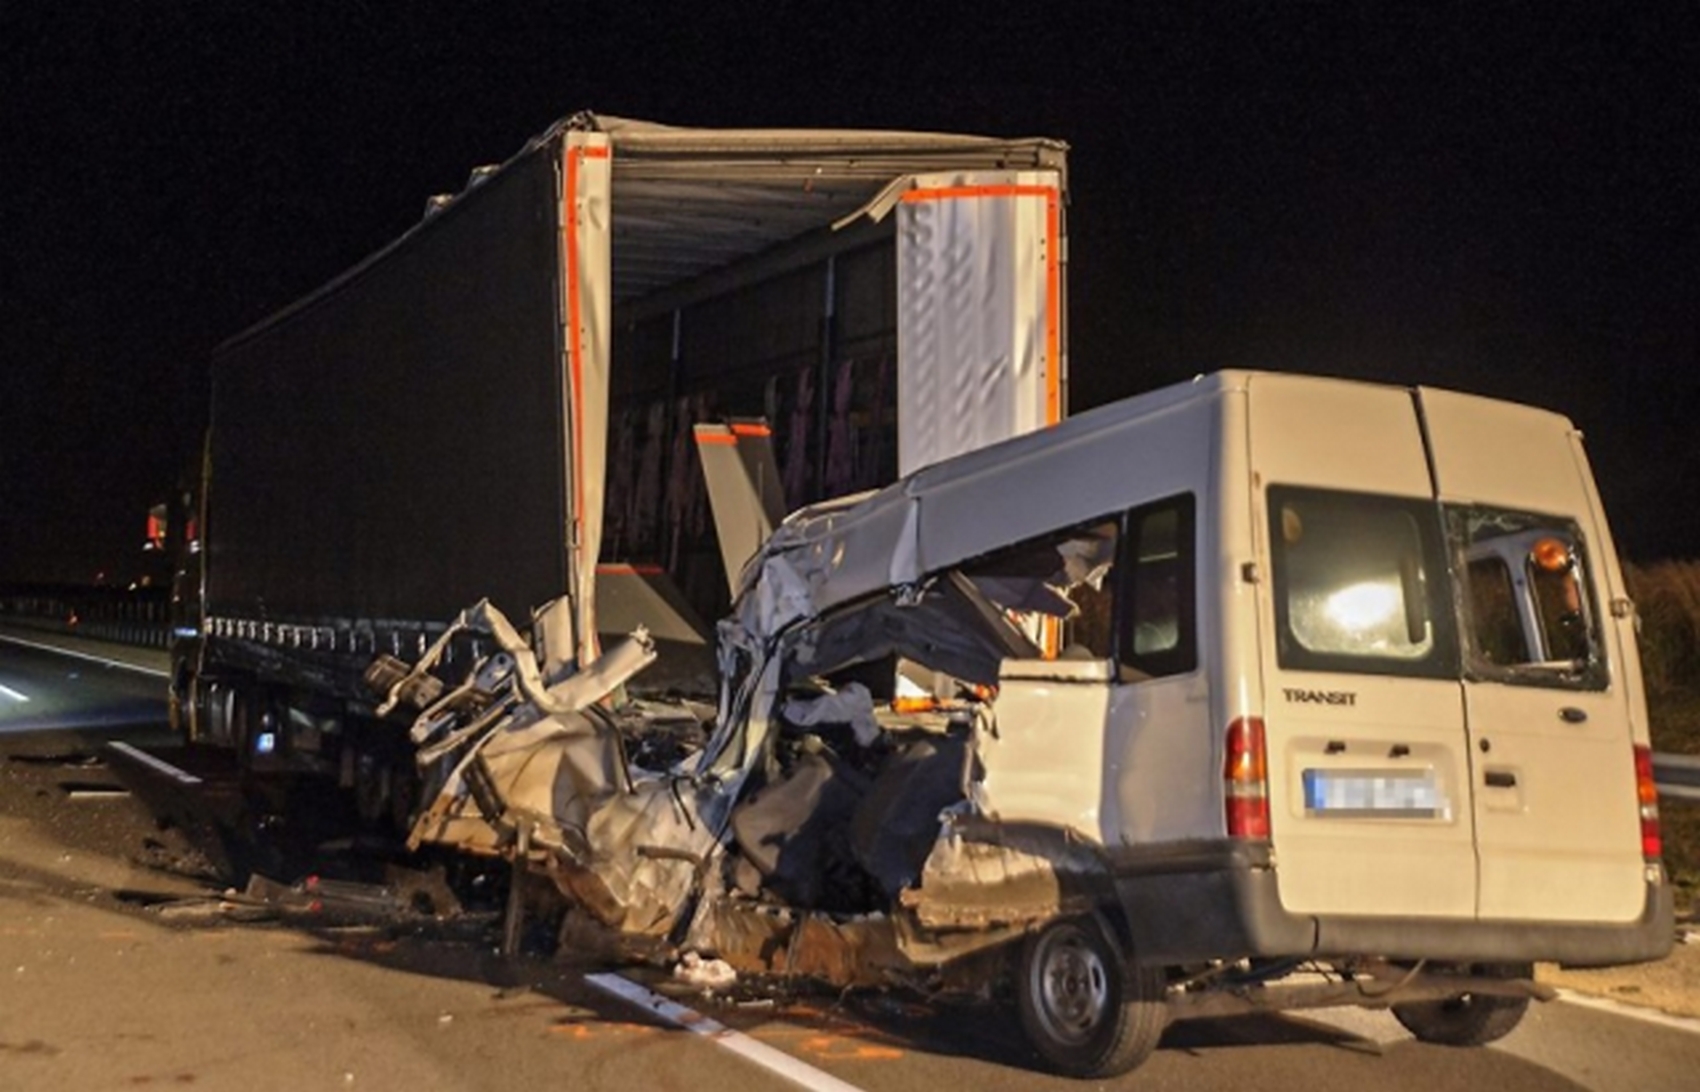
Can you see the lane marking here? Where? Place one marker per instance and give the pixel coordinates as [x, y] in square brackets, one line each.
[1380, 1027]
[159, 765]
[775, 1061]
[85, 656]
[13, 694]
[1633, 1012]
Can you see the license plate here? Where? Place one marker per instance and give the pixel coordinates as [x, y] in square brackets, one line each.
[1374, 794]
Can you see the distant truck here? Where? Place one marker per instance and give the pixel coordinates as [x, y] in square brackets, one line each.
[1348, 710]
[436, 425]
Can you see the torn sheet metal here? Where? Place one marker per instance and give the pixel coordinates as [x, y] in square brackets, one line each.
[806, 836]
[766, 940]
[983, 873]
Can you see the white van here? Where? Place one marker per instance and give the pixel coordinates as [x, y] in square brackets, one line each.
[1257, 692]
[1355, 676]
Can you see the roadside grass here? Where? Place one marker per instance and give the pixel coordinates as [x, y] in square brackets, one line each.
[1675, 725]
[1667, 601]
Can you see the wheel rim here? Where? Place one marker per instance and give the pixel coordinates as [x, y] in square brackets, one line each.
[1070, 985]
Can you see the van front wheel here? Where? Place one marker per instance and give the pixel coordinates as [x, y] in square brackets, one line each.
[1084, 1009]
[1468, 1019]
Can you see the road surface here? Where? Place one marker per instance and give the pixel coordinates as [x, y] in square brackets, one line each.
[118, 970]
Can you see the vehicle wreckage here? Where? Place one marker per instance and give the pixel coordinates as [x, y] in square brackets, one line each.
[1029, 803]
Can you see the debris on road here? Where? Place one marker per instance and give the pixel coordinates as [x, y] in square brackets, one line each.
[708, 974]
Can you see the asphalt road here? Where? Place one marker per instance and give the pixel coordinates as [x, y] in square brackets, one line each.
[119, 970]
[48, 695]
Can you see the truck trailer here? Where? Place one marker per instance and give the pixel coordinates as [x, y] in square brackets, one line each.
[437, 424]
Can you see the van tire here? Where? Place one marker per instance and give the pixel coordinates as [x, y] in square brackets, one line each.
[1468, 1019]
[1086, 1010]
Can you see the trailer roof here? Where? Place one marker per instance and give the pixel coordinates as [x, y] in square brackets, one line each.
[691, 200]
[688, 201]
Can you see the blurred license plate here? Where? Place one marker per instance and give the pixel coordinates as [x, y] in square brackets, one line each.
[1380, 794]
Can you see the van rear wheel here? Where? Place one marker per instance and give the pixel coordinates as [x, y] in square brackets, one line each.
[1468, 1019]
[1085, 1010]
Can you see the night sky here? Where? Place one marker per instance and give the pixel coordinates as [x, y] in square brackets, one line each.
[1503, 203]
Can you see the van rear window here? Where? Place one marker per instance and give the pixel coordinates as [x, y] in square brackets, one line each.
[1529, 607]
[1359, 584]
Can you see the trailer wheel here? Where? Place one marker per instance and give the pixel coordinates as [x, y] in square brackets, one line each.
[1468, 1019]
[1088, 1012]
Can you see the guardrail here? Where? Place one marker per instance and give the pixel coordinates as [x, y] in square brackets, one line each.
[128, 616]
[1677, 776]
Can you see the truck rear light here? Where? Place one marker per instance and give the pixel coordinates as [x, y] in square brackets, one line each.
[1245, 780]
[1647, 793]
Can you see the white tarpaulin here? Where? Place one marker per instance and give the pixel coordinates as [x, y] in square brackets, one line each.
[979, 311]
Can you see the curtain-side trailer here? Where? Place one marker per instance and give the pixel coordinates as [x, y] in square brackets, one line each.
[505, 393]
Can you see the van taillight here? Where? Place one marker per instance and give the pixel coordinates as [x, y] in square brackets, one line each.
[1647, 793]
[1245, 777]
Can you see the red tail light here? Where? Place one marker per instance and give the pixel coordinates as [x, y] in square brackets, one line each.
[1245, 780]
[1647, 792]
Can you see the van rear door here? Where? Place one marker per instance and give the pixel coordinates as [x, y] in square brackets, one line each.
[1369, 772]
[1547, 703]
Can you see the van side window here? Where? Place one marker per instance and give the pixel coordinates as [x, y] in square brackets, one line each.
[1359, 584]
[1158, 620]
[1062, 577]
[1529, 610]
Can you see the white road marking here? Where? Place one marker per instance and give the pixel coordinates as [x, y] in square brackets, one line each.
[159, 765]
[85, 656]
[1378, 1026]
[13, 694]
[1634, 1012]
[775, 1061]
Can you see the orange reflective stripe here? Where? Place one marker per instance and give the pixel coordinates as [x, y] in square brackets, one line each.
[575, 350]
[716, 438]
[620, 568]
[1053, 309]
[945, 193]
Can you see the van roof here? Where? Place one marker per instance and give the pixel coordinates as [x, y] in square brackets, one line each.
[1070, 473]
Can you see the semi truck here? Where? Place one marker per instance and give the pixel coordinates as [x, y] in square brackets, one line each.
[505, 394]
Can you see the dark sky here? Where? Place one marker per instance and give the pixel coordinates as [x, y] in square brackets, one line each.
[1502, 203]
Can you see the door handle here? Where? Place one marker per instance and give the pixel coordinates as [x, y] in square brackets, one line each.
[1500, 779]
[1572, 715]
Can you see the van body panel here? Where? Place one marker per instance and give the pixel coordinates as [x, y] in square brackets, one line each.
[1368, 768]
[1234, 569]
[1557, 816]
[1337, 434]
[1078, 475]
[1555, 796]
[1487, 451]
[1618, 617]
[1155, 727]
[1047, 765]
[1344, 855]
